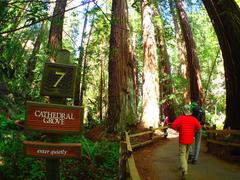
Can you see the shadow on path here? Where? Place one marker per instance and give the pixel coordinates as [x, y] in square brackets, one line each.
[159, 161]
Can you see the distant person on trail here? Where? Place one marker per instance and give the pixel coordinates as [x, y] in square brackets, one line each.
[187, 126]
[165, 123]
[197, 112]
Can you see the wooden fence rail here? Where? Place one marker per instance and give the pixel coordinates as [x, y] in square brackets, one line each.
[224, 132]
[128, 169]
[224, 143]
[152, 136]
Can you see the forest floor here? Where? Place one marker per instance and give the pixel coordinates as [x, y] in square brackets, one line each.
[159, 161]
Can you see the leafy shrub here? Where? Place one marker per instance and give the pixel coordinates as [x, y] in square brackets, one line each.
[15, 165]
[6, 123]
[99, 160]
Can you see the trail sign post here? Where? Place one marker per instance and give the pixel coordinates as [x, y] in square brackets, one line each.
[55, 118]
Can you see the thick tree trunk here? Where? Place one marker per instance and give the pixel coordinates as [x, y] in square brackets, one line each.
[225, 15]
[150, 106]
[166, 88]
[121, 93]
[133, 18]
[182, 54]
[56, 29]
[196, 90]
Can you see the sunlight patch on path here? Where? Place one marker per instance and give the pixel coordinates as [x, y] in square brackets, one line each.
[172, 133]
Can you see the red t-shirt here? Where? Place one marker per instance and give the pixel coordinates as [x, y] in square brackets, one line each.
[187, 126]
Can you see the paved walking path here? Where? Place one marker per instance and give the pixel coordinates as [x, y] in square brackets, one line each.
[159, 161]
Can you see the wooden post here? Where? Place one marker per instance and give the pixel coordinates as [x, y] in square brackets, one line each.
[151, 134]
[214, 134]
[52, 165]
[123, 160]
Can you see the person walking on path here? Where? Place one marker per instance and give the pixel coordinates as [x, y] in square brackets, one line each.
[197, 112]
[187, 126]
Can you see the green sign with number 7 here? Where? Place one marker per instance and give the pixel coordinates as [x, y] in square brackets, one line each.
[58, 80]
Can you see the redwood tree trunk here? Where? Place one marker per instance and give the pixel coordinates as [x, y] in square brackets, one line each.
[182, 54]
[121, 93]
[196, 90]
[56, 29]
[225, 16]
[150, 106]
[166, 88]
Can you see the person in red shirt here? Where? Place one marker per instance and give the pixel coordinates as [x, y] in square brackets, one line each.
[187, 126]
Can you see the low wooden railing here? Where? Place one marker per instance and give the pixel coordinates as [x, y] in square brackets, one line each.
[224, 143]
[223, 137]
[128, 169]
[152, 136]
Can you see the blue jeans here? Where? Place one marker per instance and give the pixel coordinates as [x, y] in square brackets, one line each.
[197, 145]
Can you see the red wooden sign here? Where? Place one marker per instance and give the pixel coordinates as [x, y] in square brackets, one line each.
[53, 118]
[52, 150]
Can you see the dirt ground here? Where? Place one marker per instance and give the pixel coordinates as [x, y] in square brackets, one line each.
[159, 161]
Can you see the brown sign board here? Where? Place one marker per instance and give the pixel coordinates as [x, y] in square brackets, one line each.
[58, 80]
[52, 150]
[53, 118]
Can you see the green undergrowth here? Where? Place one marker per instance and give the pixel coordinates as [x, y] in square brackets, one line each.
[99, 159]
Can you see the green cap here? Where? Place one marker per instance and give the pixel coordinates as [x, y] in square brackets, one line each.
[193, 105]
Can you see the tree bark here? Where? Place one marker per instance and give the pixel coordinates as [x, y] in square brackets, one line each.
[136, 84]
[150, 106]
[182, 54]
[225, 16]
[121, 93]
[56, 29]
[196, 90]
[166, 87]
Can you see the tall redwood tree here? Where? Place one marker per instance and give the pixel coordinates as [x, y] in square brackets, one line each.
[121, 93]
[225, 15]
[166, 86]
[182, 54]
[150, 102]
[196, 91]
[56, 29]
